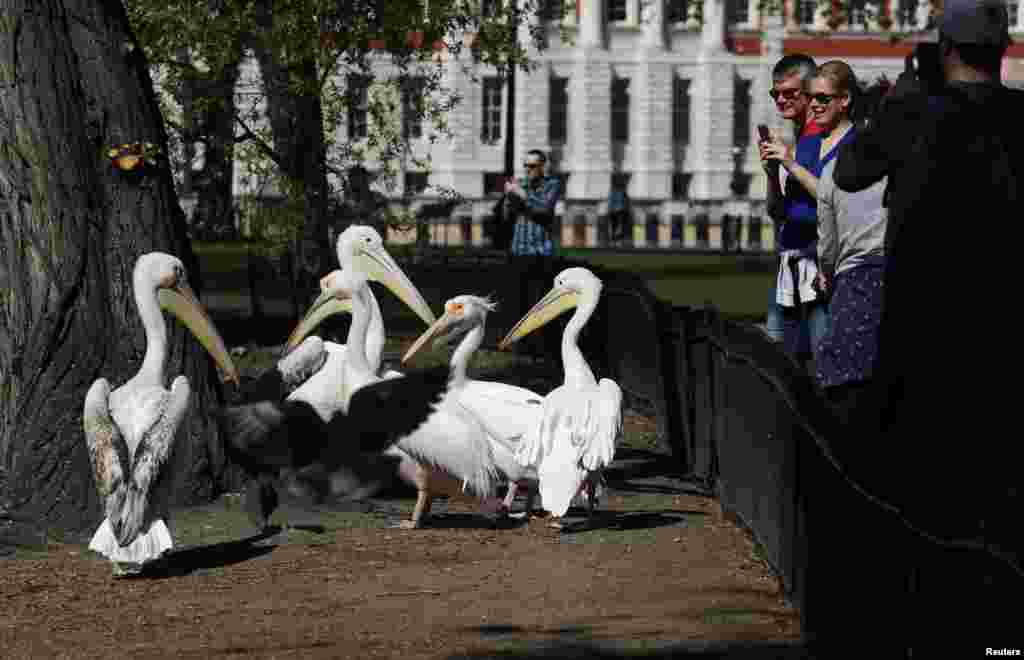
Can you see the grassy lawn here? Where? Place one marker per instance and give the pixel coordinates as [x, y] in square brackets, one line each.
[737, 285]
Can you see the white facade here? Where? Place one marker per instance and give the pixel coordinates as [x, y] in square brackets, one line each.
[695, 92]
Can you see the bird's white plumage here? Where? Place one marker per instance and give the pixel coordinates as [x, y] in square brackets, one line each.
[329, 389]
[130, 430]
[301, 364]
[581, 420]
[325, 390]
[504, 413]
[453, 441]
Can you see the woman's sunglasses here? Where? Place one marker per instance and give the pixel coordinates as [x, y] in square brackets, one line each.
[825, 99]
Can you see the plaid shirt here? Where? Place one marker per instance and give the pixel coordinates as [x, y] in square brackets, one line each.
[530, 238]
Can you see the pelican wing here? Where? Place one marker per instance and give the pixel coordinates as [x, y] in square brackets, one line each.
[108, 452]
[299, 365]
[151, 454]
[506, 411]
[392, 408]
[603, 426]
[291, 433]
[267, 434]
[339, 457]
[453, 440]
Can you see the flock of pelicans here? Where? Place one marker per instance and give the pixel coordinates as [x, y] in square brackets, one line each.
[326, 421]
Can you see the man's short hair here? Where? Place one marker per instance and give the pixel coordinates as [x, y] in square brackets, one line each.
[797, 63]
[539, 155]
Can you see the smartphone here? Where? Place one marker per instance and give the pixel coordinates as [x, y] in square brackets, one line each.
[766, 135]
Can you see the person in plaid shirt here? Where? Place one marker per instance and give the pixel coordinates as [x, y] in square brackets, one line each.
[533, 207]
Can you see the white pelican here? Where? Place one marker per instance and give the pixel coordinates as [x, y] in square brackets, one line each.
[507, 412]
[450, 452]
[340, 455]
[582, 418]
[360, 250]
[130, 430]
[313, 371]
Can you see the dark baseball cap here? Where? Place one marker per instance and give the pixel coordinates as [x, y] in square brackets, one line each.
[982, 22]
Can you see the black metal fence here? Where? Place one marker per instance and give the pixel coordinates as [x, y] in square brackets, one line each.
[742, 419]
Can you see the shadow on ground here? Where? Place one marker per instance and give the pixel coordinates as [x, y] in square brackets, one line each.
[569, 647]
[624, 521]
[186, 561]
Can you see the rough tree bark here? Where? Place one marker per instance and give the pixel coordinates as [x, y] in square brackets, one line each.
[72, 83]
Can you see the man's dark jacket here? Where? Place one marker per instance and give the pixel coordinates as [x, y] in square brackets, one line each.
[947, 391]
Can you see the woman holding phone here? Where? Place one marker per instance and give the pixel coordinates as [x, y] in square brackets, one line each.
[832, 93]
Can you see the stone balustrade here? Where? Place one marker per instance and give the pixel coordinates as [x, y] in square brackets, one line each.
[729, 226]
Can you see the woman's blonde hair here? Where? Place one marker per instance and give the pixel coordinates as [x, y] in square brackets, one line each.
[841, 76]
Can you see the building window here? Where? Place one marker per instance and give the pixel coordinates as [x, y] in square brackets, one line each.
[680, 189]
[493, 182]
[558, 111]
[620, 109]
[804, 11]
[741, 116]
[680, 111]
[415, 182]
[738, 12]
[412, 104]
[616, 10]
[859, 14]
[906, 13]
[1012, 8]
[551, 10]
[677, 11]
[359, 108]
[491, 129]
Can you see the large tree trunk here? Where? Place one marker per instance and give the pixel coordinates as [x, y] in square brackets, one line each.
[72, 83]
[296, 121]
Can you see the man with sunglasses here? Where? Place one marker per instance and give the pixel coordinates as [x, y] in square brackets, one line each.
[789, 76]
[532, 207]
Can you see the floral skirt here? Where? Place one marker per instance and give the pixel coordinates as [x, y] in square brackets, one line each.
[848, 351]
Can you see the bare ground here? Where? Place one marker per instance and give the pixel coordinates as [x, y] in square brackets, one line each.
[659, 572]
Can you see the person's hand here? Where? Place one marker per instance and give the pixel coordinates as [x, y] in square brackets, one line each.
[822, 282]
[777, 152]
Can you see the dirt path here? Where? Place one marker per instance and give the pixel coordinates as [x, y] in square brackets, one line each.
[650, 569]
[658, 567]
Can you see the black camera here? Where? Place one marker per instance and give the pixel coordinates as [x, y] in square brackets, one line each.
[926, 63]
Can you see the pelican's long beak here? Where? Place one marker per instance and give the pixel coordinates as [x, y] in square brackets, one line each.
[436, 330]
[326, 305]
[380, 267]
[181, 301]
[551, 306]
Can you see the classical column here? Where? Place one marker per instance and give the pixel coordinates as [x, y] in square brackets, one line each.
[591, 23]
[652, 96]
[763, 108]
[712, 101]
[456, 160]
[590, 107]
[533, 90]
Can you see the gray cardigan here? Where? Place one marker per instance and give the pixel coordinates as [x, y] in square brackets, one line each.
[851, 226]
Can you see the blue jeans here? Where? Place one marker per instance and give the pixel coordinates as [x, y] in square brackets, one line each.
[803, 328]
[773, 324]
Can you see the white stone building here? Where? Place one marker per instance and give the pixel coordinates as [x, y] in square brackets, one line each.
[649, 92]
